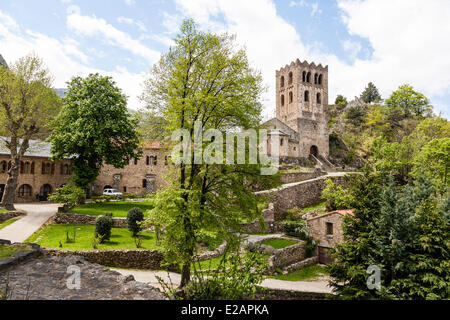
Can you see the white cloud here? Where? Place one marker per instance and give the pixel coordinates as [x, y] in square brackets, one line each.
[352, 48]
[303, 3]
[130, 21]
[92, 26]
[130, 2]
[63, 58]
[409, 41]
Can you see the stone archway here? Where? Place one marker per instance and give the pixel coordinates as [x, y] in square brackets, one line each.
[44, 192]
[314, 151]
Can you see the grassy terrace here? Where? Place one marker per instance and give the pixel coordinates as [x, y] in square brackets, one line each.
[7, 223]
[317, 206]
[117, 208]
[121, 238]
[7, 251]
[279, 243]
[308, 273]
[3, 211]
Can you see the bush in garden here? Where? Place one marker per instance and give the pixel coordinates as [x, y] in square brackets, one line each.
[134, 216]
[103, 226]
[294, 214]
[67, 194]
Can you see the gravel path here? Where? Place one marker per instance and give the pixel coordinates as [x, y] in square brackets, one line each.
[37, 215]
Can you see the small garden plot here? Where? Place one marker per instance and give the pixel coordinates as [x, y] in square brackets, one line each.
[9, 250]
[8, 222]
[279, 243]
[81, 237]
[307, 273]
[119, 209]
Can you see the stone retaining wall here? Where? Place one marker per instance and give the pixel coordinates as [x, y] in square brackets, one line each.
[74, 218]
[282, 258]
[300, 194]
[10, 215]
[127, 259]
[279, 294]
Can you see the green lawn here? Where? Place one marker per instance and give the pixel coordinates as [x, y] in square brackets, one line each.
[279, 243]
[215, 262]
[304, 274]
[7, 251]
[121, 238]
[7, 223]
[3, 211]
[117, 208]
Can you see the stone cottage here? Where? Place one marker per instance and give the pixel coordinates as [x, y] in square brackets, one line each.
[327, 229]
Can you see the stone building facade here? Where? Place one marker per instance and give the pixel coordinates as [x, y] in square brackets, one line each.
[302, 111]
[327, 230]
[141, 177]
[38, 176]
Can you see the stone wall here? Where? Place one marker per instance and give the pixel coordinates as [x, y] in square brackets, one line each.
[280, 294]
[318, 227]
[10, 215]
[284, 257]
[255, 227]
[289, 177]
[73, 218]
[127, 259]
[300, 194]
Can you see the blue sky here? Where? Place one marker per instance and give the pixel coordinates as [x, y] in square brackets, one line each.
[389, 42]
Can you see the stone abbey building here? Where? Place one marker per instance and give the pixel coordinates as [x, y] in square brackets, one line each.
[302, 112]
[301, 127]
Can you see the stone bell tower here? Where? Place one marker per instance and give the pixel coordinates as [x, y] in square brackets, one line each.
[302, 104]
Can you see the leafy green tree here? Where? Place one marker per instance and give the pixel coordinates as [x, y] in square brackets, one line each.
[337, 198]
[205, 78]
[434, 159]
[355, 115]
[394, 228]
[27, 106]
[134, 217]
[341, 101]
[370, 94]
[94, 127]
[409, 103]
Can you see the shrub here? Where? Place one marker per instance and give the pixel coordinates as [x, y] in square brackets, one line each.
[134, 216]
[103, 226]
[68, 195]
[294, 214]
[298, 229]
[337, 198]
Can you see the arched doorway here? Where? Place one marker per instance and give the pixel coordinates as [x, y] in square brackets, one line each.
[2, 190]
[45, 191]
[314, 151]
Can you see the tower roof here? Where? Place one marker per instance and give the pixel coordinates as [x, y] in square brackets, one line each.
[305, 64]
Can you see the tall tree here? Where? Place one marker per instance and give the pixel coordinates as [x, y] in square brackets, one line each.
[206, 79]
[94, 127]
[370, 94]
[409, 103]
[27, 104]
[341, 101]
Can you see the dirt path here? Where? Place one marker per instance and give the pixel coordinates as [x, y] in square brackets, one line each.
[37, 215]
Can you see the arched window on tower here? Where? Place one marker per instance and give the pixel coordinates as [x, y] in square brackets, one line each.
[282, 82]
[304, 76]
[319, 80]
[291, 77]
[319, 98]
[306, 96]
[315, 78]
[308, 77]
[282, 100]
[291, 97]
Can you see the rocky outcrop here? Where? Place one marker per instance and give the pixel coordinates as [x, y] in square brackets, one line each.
[53, 278]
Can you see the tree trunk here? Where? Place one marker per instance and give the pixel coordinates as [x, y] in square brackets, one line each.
[11, 185]
[185, 275]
